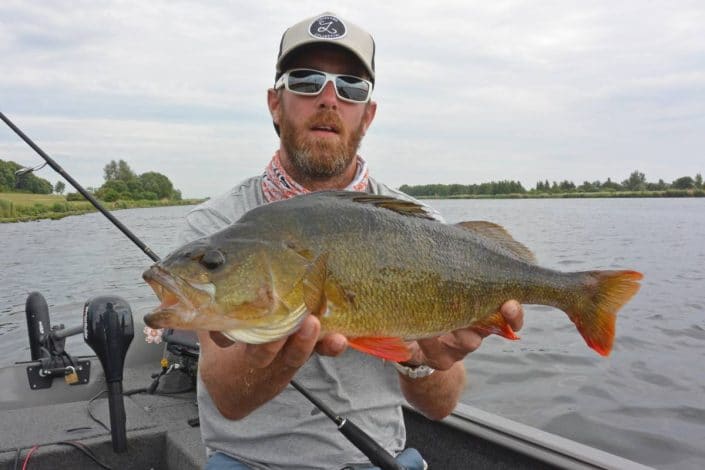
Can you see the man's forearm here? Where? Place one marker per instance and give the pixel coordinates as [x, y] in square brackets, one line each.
[436, 395]
[236, 388]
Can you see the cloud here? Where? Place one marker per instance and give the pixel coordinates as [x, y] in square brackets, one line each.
[467, 91]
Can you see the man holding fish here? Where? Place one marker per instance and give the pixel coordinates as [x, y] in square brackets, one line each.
[250, 418]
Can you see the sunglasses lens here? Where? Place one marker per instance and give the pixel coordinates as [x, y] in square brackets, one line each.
[311, 82]
[306, 81]
[352, 88]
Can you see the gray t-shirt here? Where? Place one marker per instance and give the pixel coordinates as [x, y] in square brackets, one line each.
[288, 432]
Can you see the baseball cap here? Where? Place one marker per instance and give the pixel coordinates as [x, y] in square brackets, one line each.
[329, 28]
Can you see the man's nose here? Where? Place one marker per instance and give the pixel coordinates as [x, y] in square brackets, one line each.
[327, 98]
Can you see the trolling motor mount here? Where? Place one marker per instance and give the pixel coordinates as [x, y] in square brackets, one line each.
[108, 329]
[46, 344]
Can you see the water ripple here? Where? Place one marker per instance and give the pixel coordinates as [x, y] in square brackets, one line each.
[634, 343]
[636, 444]
[685, 413]
[563, 358]
[694, 331]
[659, 379]
[519, 377]
[596, 392]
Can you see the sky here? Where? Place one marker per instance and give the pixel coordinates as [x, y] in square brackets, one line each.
[467, 91]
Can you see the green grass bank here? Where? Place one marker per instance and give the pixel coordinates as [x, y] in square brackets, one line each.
[23, 207]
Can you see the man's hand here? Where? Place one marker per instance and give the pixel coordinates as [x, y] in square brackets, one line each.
[443, 351]
[242, 377]
[437, 395]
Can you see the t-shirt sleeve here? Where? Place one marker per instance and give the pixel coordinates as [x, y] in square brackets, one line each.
[199, 223]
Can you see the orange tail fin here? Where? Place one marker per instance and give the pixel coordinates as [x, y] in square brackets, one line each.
[594, 312]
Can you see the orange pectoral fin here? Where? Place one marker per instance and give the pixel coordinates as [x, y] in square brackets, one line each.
[494, 324]
[392, 349]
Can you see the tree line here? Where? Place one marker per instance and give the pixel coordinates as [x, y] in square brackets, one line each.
[636, 182]
[121, 183]
[442, 190]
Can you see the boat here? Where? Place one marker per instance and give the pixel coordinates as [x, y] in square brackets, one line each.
[54, 412]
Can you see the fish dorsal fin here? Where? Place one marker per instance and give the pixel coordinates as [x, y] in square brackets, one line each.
[499, 239]
[400, 206]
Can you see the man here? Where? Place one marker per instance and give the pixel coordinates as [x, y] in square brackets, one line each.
[250, 417]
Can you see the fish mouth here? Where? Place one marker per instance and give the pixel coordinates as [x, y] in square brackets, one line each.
[183, 304]
[189, 306]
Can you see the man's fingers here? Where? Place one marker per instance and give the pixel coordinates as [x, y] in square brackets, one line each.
[444, 351]
[294, 349]
[300, 344]
[513, 313]
[466, 340]
[438, 354]
[332, 345]
[261, 355]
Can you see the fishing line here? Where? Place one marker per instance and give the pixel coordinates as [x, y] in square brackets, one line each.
[368, 446]
[24, 171]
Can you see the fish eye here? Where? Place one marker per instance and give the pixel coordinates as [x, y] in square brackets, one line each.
[212, 259]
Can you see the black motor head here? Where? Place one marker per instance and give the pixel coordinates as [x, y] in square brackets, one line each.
[38, 324]
[108, 329]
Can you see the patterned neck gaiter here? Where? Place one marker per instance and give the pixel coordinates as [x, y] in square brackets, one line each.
[278, 185]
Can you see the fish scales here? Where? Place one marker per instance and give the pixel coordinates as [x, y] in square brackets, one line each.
[430, 288]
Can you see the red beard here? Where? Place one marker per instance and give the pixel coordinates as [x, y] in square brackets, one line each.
[320, 157]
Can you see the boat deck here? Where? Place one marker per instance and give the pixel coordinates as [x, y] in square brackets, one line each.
[159, 435]
[162, 431]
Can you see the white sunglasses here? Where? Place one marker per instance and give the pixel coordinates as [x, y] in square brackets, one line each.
[309, 82]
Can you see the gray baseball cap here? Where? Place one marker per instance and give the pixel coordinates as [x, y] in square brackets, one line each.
[331, 29]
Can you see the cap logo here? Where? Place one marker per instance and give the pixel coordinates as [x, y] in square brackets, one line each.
[327, 27]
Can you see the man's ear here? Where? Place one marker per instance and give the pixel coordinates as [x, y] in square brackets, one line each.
[369, 116]
[274, 103]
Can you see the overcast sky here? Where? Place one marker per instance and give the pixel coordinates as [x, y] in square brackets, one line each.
[468, 91]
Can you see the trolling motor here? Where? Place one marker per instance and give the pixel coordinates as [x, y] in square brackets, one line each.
[108, 329]
[46, 344]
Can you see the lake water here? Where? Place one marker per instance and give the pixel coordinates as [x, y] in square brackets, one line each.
[644, 402]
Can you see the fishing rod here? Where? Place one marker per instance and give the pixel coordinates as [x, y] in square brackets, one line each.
[377, 454]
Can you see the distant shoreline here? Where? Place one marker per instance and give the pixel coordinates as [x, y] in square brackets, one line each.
[23, 207]
[669, 193]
